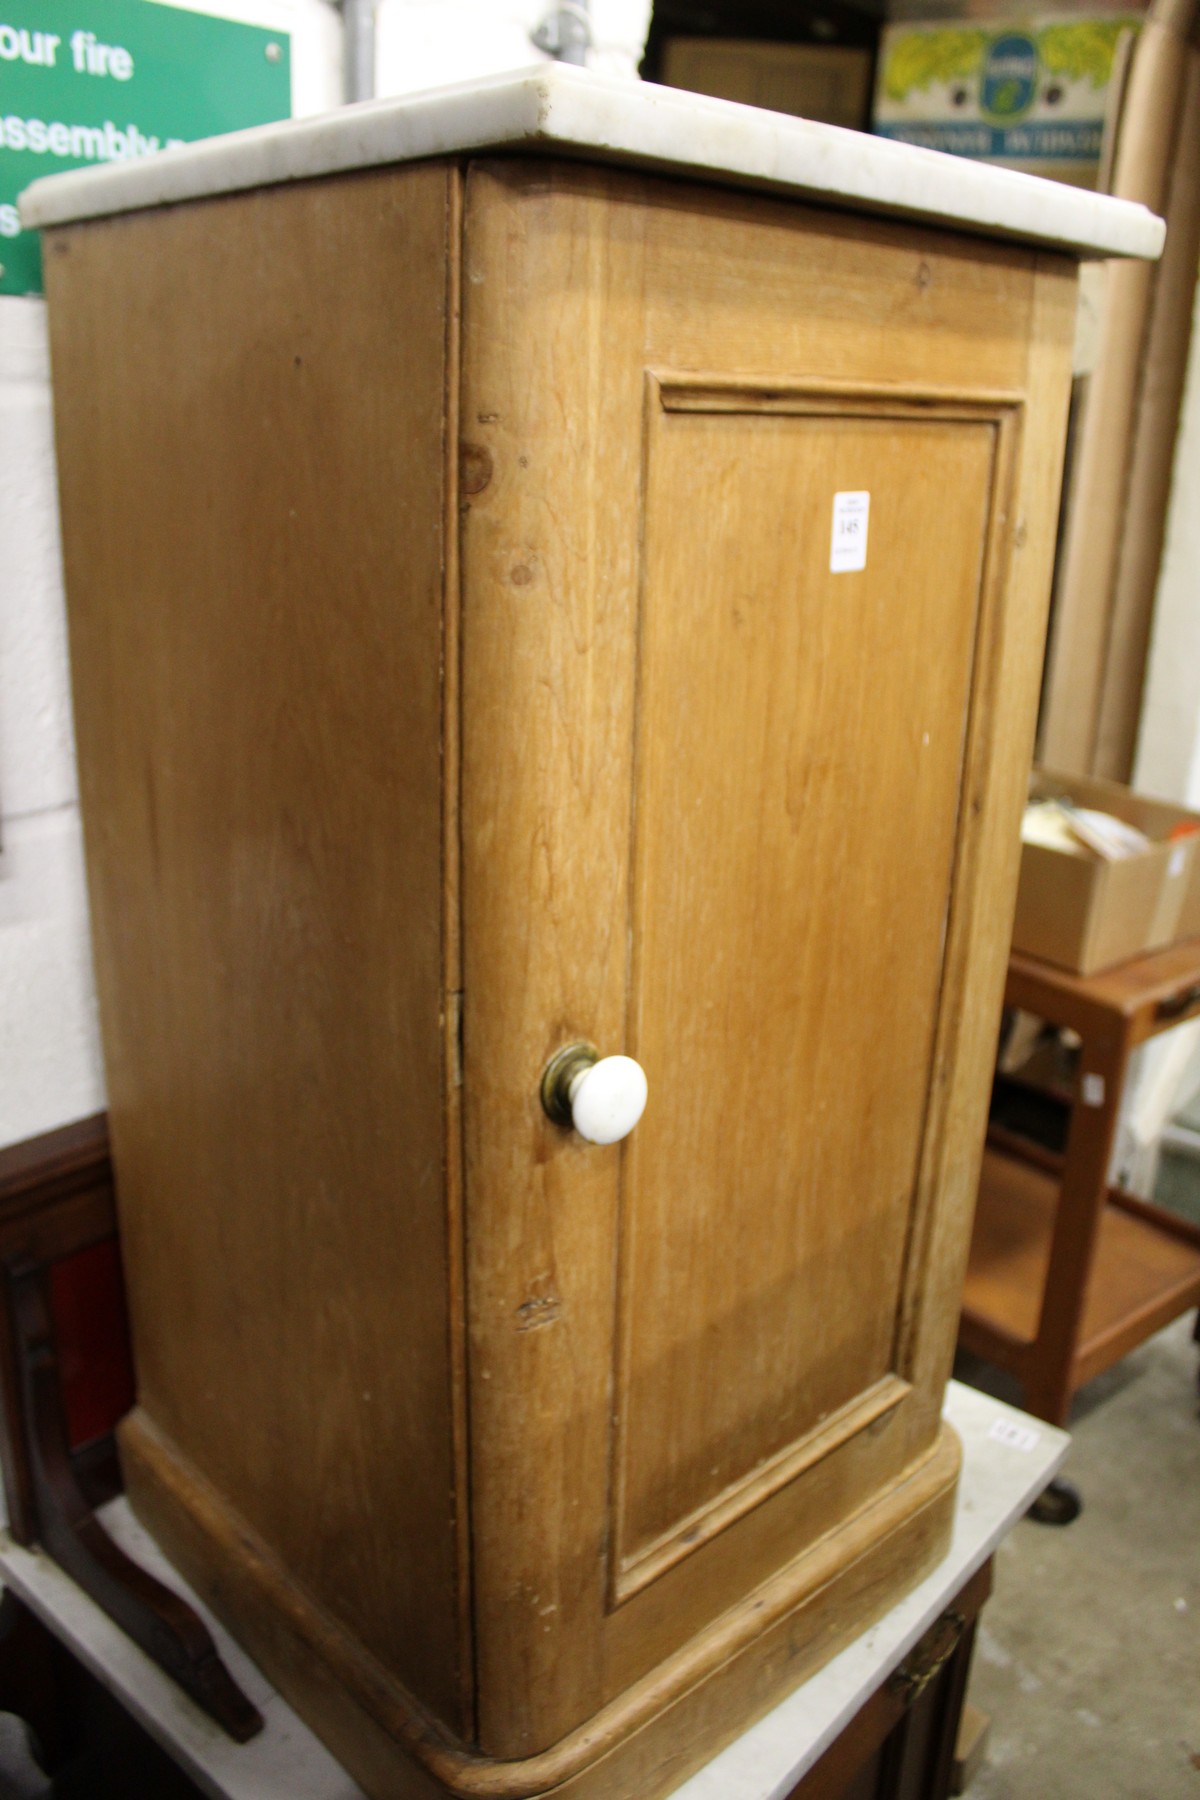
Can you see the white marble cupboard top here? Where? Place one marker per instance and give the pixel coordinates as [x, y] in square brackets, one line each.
[575, 113]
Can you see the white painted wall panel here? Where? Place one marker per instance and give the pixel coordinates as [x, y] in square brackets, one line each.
[1168, 752]
[431, 43]
[49, 1056]
[37, 758]
[49, 1048]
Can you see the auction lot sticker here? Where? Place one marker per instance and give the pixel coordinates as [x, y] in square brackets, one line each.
[96, 81]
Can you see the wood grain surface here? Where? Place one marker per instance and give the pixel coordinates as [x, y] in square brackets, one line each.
[459, 673]
[795, 745]
[1067, 1274]
[580, 544]
[1143, 1275]
[1096, 520]
[639, 1747]
[252, 494]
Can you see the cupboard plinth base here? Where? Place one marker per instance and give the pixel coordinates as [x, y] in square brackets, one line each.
[641, 1745]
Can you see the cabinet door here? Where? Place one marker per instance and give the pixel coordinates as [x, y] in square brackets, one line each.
[733, 801]
[798, 745]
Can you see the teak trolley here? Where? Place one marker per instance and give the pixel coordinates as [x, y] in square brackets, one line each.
[1066, 1274]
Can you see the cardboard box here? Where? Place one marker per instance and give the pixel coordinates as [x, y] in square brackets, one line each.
[1029, 93]
[1086, 914]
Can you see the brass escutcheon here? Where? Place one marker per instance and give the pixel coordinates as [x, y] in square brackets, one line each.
[558, 1075]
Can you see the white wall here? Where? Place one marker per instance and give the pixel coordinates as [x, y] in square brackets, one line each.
[49, 1058]
[427, 43]
[1168, 751]
[50, 1070]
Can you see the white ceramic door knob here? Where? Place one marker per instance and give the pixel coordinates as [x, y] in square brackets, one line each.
[603, 1097]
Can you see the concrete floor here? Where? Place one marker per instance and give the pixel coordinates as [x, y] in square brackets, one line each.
[1088, 1660]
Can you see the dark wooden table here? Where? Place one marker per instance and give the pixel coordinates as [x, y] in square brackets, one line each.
[900, 1745]
[1066, 1273]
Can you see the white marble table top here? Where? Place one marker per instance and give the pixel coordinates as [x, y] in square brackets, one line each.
[576, 113]
[1007, 1460]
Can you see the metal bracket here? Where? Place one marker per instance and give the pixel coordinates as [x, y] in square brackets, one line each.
[558, 1075]
[927, 1658]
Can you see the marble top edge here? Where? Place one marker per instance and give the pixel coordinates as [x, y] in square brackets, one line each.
[610, 119]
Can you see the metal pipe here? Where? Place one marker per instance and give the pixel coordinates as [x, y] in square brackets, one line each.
[358, 49]
[566, 32]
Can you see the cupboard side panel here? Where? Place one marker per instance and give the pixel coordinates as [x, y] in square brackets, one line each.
[249, 414]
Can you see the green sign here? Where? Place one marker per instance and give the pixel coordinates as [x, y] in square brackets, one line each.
[96, 81]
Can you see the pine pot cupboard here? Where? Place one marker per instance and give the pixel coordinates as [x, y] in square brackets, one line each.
[556, 570]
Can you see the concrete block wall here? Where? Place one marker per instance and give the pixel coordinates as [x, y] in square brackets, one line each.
[50, 1066]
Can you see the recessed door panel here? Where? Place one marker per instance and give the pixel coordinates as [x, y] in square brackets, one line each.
[798, 748]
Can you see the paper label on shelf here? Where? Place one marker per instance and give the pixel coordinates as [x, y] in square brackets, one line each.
[848, 545]
[1017, 1437]
[1092, 1090]
[1178, 859]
